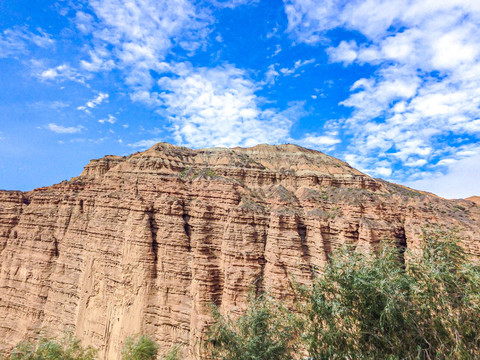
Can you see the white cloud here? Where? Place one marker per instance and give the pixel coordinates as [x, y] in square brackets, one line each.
[99, 61]
[53, 73]
[271, 75]
[416, 163]
[144, 144]
[383, 171]
[85, 22]
[59, 73]
[298, 64]
[55, 104]
[426, 89]
[101, 97]
[345, 52]
[278, 50]
[233, 3]
[218, 107]
[205, 106]
[97, 100]
[325, 142]
[59, 129]
[307, 19]
[16, 41]
[461, 180]
[273, 33]
[110, 119]
[139, 35]
[42, 39]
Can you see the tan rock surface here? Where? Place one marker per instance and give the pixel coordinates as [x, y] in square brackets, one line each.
[145, 243]
[475, 199]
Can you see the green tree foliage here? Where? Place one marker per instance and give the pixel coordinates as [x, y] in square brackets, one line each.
[369, 306]
[67, 348]
[142, 347]
[139, 348]
[445, 291]
[264, 332]
[356, 307]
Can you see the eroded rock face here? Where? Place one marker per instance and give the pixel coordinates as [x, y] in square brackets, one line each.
[145, 243]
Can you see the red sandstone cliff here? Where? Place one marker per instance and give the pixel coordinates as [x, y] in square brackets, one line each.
[145, 243]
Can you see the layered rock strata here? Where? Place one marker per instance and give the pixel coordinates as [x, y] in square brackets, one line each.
[146, 243]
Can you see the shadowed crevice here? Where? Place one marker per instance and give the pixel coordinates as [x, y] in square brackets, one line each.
[154, 245]
[187, 228]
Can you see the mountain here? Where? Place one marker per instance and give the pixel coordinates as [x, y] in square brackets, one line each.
[147, 242]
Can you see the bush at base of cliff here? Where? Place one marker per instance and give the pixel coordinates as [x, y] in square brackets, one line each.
[67, 348]
[139, 348]
[264, 332]
[373, 306]
[142, 347]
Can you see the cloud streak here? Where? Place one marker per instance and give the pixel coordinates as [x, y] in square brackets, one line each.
[15, 41]
[59, 129]
[97, 100]
[58, 73]
[110, 119]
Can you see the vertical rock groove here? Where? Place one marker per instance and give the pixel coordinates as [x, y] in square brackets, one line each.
[154, 243]
[55, 247]
[187, 228]
[402, 243]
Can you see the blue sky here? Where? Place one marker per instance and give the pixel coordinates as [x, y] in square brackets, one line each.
[390, 86]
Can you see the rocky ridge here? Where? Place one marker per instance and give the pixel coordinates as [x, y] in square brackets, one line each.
[145, 243]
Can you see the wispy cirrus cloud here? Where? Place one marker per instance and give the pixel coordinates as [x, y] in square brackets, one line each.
[54, 105]
[325, 142]
[425, 92]
[97, 100]
[274, 71]
[140, 35]
[132, 37]
[232, 3]
[110, 119]
[59, 129]
[144, 144]
[16, 41]
[298, 64]
[58, 73]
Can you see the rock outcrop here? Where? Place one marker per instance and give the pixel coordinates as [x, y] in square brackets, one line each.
[145, 243]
